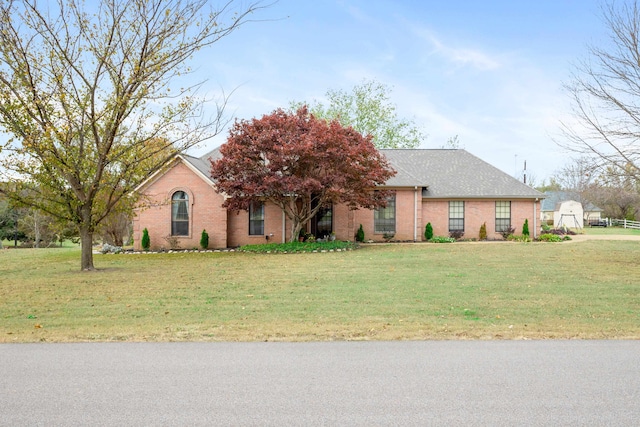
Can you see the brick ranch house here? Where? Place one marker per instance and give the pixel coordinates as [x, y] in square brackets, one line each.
[450, 188]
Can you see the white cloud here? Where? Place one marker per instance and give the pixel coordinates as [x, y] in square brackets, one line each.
[461, 56]
[474, 58]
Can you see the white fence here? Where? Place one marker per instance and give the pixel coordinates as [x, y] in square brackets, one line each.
[626, 223]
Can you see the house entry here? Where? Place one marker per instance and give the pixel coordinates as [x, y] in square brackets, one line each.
[322, 223]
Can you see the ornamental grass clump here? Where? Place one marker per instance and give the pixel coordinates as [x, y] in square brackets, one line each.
[483, 231]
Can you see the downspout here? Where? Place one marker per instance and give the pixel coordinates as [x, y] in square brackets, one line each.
[415, 213]
[284, 230]
[535, 218]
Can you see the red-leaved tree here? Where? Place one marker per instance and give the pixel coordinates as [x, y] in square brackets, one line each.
[300, 163]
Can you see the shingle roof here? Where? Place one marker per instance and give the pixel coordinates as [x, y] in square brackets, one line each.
[453, 173]
[445, 173]
[202, 163]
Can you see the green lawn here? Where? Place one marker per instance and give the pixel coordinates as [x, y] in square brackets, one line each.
[499, 290]
[611, 231]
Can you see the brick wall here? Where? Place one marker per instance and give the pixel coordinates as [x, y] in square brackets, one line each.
[407, 225]
[477, 212]
[205, 210]
[231, 229]
[238, 227]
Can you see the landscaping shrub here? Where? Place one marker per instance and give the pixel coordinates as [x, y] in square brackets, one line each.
[483, 231]
[146, 241]
[525, 228]
[507, 232]
[456, 234]
[173, 241]
[204, 239]
[298, 247]
[522, 238]
[560, 231]
[428, 232]
[360, 234]
[548, 237]
[442, 239]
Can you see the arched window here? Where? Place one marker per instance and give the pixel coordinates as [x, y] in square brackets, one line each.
[180, 214]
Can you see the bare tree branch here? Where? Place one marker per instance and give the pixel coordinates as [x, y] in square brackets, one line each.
[605, 93]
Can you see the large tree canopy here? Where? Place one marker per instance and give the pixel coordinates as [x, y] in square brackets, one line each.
[90, 96]
[300, 163]
[605, 92]
[368, 110]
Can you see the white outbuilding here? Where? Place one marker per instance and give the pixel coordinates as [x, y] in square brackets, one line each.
[568, 213]
[567, 209]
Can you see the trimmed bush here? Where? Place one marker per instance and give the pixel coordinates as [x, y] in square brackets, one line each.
[360, 234]
[525, 228]
[428, 232]
[204, 239]
[483, 231]
[548, 237]
[146, 241]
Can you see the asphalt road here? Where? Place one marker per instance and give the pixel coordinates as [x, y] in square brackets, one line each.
[536, 383]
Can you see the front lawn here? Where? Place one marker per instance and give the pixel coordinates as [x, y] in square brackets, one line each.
[611, 231]
[483, 290]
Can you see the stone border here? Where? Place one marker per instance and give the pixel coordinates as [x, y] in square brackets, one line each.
[129, 252]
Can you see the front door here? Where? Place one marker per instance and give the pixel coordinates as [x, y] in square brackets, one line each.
[322, 223]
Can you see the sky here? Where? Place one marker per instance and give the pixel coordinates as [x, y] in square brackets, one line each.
[490, 72]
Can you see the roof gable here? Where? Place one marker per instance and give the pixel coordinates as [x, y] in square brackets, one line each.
[199, 165]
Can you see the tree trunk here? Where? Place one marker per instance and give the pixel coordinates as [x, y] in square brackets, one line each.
[86, 229]
[86, 247]
[36, 228]
[296, 226]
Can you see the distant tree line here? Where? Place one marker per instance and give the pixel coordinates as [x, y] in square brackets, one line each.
[27, 226]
